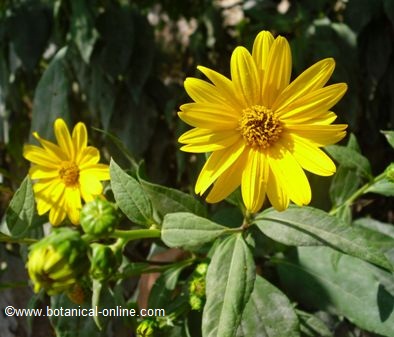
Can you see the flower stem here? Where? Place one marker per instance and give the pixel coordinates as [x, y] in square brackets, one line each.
[136, 234]
[349, 201]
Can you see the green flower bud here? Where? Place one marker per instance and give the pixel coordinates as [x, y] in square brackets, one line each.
[99, 217]
[146, 328]
[104, 262]
[196, 303]
[202, 269]
[57, 261]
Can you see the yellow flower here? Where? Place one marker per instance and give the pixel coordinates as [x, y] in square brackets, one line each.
[262, 130]
[65, 172]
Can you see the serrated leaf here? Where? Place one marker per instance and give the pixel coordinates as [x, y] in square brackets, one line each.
[351, 159]
[268, 313]
[188, 230]
[308, 226]
[19, 214]
[350, 289]
[130, 196]
[51, 96]
[230, 280]
[168, 200]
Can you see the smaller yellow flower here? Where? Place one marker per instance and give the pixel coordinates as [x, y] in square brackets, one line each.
[65, 172]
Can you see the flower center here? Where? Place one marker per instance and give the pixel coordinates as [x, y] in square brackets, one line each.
[259, 126]
[69, 173]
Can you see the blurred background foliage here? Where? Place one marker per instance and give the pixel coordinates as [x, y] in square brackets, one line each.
[119, 66]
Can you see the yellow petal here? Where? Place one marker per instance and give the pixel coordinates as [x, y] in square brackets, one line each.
[209, 116]
[99, 171]
[245, 77]
[90, 186]
[261, 47]
[217, 163]
[73, 204]
[39, 156]
[57, 213]
[254, 180]
[315, 77]
[276, 192]
[43, 206]
[42, 172]
[314, 103]
[80, 139]
[203, 92]
[320, 135]
[324, 118]
[89, 156]
[224, 86]
[53, 149]
[228, 181]
[310, 157]
[64, 139]
[277, 76]
[203, 140]
[290, 172]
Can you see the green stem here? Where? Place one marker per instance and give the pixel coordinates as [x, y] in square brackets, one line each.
[136, 234]
[349, 201]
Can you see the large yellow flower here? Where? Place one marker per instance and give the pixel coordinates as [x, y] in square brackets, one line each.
[65, 172]
[262, 130]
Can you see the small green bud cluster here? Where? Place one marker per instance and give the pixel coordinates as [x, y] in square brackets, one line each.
[146, 328]
[57, 261]
[197, 287]
[99, 217]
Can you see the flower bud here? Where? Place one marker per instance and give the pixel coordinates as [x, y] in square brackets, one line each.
[57, 261]
[197, 287]
[104, 263]
[99, 217]
[146, 328]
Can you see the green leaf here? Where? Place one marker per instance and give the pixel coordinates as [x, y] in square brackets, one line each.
[51, 96]
[344, 183]
[312, 326]
[19, 214]
[168, 200]
[351, 159]
[372, 224]
[188, 230]
[230, 280]
[268, 313]
[142, 58]
[350, 288]
[383, 186]
[82, 28]
[68, 325]
[164, 286]
[130, 196]
[308, 226]
[389, 134]
[116, 28]
[29, 28]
